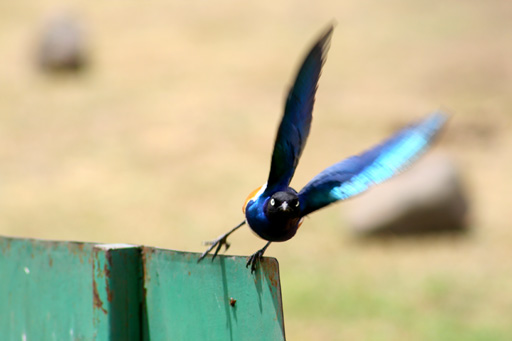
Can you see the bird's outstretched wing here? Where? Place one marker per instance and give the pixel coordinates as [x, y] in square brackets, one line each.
[357, 173]
[294, 128]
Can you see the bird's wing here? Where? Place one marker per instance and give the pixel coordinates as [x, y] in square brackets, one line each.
[357, 173]
[294, 128]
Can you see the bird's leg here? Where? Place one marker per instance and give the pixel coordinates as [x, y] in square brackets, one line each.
[222, 240]
[256, 257]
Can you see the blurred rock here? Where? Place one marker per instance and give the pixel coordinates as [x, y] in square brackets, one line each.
[428, 198]
[62, 45]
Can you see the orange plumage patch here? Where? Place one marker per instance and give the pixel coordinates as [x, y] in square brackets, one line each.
[251, 196]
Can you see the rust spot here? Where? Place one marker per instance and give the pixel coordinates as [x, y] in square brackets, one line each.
[50, 261]
[187, 256]
[110, 294]
[145, 255]
[108, 254]
[232, 301]
[189, 273]
[96, 298]
[273, 273]
[77, 249]
[6, 246]
[106, 271]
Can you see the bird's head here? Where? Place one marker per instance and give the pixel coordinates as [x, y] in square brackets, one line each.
[283, 204]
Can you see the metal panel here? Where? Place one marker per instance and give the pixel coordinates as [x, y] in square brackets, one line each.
[68, 291]
[190, 301]
[46, 290]
[80, 291]
[117, 292]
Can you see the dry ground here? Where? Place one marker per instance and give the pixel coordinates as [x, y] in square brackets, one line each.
[173, 124]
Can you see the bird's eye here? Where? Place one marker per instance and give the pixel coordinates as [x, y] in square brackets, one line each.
[297, 203]
[272, 202]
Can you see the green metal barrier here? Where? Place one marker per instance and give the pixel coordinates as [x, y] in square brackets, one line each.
[82, 291]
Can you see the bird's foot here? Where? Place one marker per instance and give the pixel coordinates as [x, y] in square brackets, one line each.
[219, 242]
[222, 240]
[255, 259]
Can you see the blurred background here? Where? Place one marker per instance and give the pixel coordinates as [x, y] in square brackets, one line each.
[154, 121]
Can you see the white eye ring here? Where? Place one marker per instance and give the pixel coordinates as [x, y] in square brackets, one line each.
[272, 202]
[297, 204]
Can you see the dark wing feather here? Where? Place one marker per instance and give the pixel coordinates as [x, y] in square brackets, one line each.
[294, 128]
[357, 173]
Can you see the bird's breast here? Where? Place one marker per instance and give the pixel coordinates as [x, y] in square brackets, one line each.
[274, 230]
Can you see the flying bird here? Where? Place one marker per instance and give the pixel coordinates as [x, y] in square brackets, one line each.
[274, 211]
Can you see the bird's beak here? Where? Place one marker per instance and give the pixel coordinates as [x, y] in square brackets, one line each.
[285, 206]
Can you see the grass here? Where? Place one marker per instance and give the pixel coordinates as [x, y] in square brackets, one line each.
[173, 125]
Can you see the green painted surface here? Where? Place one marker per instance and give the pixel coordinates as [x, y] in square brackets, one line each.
[81, 291]
[68, 291]
[45, 290]
[190, 301]
[117, 294]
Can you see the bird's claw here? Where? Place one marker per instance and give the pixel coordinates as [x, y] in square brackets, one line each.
[215, 243]
[222, 240]
[254, 260]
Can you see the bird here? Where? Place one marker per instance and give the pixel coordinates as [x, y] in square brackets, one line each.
[275, 211]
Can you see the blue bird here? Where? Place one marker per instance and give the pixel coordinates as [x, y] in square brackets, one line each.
[275, 211]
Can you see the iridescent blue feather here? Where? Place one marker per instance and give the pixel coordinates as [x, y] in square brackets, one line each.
[357, 173]
[294, 128]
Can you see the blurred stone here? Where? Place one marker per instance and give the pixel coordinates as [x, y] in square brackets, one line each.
[428, 198]
[62, 45]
